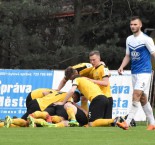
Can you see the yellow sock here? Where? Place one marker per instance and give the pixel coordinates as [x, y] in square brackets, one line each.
[102, 122]
[19, 122]
[56, 119]
[39, 114]
[1, 124]
[60, 124]
[40, 121]
[71, 114]
[13, 125]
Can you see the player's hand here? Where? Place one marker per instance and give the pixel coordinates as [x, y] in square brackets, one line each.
[120, 71]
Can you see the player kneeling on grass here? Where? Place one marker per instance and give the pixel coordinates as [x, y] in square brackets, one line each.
[92, 92]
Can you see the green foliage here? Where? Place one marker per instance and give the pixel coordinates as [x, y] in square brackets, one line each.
[36, 33]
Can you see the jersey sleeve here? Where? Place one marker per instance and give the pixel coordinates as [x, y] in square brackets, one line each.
[127, 47]
[105, 72]
[150, 45]
[75, 82]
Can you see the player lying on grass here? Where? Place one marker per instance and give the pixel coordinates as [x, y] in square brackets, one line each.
[62, 113]
[40, 104]
[34, 94]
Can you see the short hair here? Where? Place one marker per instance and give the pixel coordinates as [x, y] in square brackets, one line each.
[69, 72]
[94, 52]
[135, 18]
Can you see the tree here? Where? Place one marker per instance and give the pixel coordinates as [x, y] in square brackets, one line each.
[52, 34]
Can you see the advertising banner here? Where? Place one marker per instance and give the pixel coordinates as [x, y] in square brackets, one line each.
[15, 86]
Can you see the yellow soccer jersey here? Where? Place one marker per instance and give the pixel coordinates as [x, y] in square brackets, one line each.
[51, 98]
[38, 93]
[83, 68]
[98, 74]
[87, 88]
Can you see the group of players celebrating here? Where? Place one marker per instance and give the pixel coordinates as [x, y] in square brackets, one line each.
[53, 108]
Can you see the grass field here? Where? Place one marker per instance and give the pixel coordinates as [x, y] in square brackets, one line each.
[77, 136]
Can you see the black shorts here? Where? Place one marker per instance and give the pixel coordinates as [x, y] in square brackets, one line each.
[33, 106]
[108, 114]
[51, 110]
[98, 108]
[28, 99]
[80, 115]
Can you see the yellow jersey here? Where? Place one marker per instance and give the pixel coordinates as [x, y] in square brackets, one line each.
[83, 68]
[98, 74]
[87, 88]
[54, 97]
[38, 93]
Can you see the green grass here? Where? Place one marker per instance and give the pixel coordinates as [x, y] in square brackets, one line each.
[77, 136]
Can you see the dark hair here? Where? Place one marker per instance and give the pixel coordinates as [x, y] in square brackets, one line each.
[78, 96]
[69, 72]
[135, 18]
[94, 52]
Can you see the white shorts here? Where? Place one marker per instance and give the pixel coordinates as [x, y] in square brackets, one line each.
[141, 82]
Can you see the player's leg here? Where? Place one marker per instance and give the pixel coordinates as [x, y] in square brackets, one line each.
[108, 113]
[71, 111]
[97, 111]
[81, 117]
[140, 84]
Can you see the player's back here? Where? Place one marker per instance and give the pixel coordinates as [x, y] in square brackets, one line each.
[54, 97]
[87, 88]
[38, 93]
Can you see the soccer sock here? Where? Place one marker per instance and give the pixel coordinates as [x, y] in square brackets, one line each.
[102, 122]
[132, 112]
[56, 119]
[19, 122]
[1, 124]
[13, 125]
[40, 121]
[71, 114]
[60, 124]
[149, 113]
[39, 114]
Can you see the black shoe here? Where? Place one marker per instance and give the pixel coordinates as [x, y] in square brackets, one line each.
[117, 119]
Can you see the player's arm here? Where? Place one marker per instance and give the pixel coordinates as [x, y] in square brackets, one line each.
[103, 82]
[124, 63]
[62, 84]
[153, 54]
[69, 95]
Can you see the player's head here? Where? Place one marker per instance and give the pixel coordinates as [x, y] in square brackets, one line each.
[70, 73]
[94, 57]
[135, 24]
[76, 96]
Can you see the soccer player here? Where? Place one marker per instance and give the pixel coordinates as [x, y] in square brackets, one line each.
[98, 101]
[139, 48]
[82, 69]
[41, 104]
[61, 118]
[100, 75]
[37, 93]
